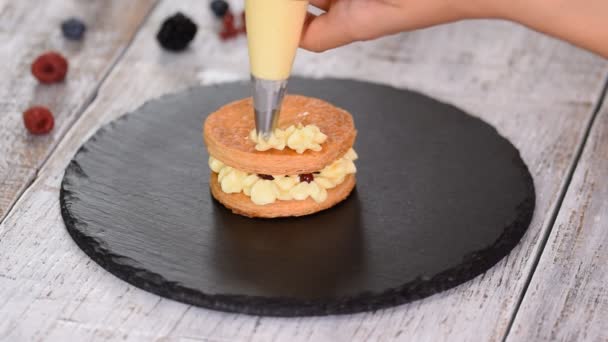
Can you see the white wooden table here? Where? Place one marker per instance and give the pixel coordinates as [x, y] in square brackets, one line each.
[544, 95]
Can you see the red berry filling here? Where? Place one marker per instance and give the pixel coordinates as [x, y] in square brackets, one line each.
[307, 177]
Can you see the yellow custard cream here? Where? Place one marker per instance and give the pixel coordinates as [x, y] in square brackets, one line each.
[298, 138]
[274, 28]
[265, 191]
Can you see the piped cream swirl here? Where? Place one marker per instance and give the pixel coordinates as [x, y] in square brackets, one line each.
[298, 138]
[284, 187]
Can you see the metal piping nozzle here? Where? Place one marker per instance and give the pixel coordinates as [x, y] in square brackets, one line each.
[267, 99]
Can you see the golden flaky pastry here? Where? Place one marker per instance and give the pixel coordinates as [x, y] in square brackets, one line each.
[226, 133]
[235, 158]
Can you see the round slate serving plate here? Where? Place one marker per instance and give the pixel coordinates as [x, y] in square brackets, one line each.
[441, 197]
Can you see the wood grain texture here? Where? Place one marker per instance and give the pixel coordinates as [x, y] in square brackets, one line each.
[538, 92]
[568, 297]
[30, 28]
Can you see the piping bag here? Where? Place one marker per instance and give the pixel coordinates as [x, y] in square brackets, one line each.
[274, 28]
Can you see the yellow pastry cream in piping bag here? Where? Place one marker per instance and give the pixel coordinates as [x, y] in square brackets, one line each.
[274, 28]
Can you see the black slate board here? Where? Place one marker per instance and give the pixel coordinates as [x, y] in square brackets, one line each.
[441, 197]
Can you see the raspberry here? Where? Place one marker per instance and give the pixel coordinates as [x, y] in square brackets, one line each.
[243, 27]
[73, 29]
[307, 177]
[219, 8]
[266, 177]
[50, 67]
[176, 32]
[228, 30]
[228, 20]
[229, 33]
[38, 120]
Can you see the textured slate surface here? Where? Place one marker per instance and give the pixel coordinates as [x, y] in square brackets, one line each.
[441, 197]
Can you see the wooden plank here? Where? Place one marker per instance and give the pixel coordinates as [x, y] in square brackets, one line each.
[568, 298]
[538, 92]
[29, 28]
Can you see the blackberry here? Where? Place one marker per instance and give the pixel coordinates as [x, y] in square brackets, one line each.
[219, 8]
[176, 32]
[73, 29]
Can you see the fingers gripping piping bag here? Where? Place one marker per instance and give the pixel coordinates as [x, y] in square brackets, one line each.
[277, 155]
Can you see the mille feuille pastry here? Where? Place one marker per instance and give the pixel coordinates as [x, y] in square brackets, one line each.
[306, 166]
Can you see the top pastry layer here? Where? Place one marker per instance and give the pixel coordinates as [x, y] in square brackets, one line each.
[226, 133]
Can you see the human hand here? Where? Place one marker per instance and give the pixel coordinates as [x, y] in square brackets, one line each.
[346, 21]
[581, 22]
